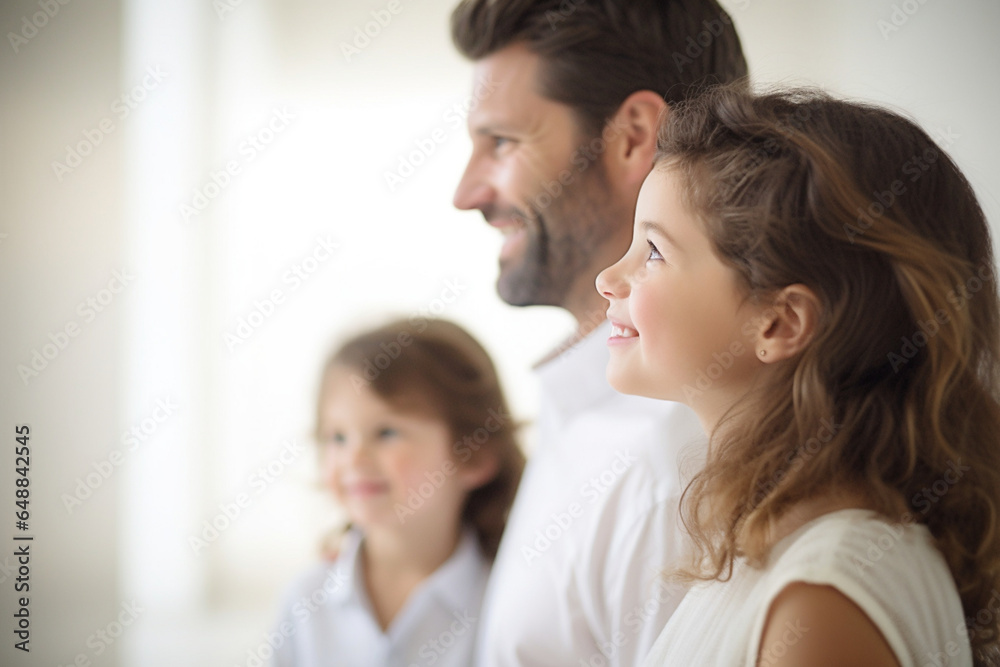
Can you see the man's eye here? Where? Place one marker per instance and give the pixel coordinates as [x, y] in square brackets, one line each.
[500, 142]
[653, 252]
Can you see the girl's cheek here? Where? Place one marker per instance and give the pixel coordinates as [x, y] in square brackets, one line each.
[330, 470]
[395, 465]
[639, 310]
[331, 484]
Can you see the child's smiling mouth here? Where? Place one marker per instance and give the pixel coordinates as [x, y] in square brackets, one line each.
[366, 488]
[621, 332]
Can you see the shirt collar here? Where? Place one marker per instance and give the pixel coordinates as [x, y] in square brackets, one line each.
[348, 566]
[576, 378]
[457, 582]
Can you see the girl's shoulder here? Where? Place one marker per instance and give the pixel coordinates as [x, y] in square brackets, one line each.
[891, 571]
[858, 539]
[866, 555]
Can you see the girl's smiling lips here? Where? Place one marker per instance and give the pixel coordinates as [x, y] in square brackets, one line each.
[621, 333]
[366, 488]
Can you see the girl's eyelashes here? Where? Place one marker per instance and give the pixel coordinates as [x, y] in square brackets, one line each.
[339, 438]
[653, 252]
[334, 438]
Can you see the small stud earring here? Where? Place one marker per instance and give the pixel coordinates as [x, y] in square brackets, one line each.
[763, 353]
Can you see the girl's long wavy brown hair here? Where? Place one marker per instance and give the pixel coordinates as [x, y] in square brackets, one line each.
[897, 393]
[436, 368]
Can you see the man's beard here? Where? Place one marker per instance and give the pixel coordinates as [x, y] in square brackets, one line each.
[562, 241]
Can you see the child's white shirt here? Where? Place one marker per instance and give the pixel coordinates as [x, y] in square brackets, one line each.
[893, 572]
[326, 617]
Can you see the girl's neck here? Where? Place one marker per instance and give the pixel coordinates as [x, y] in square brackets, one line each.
[397, 560]
[814, 507]
[416, 551]
[806, 509]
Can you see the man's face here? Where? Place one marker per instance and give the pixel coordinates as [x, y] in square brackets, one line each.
[539, 180]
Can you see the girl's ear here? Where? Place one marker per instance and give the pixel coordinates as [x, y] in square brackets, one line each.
[789, 324]
[476, 473]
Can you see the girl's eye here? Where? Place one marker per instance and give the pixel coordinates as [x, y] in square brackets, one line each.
[653, 252]
[335, 439]
[387, 432]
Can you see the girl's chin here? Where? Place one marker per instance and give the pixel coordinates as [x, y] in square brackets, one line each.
[372, 517]
[625, 382]
[619, 378]
[381, 523]
[390, 516]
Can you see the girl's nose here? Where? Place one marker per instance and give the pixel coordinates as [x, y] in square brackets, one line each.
[610, 282]
[347, 454]
[356, 453]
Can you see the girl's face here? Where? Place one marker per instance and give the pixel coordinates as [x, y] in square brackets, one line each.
[387, 468]
[682, 329]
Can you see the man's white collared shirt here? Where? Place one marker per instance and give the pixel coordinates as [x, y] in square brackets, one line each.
[595, 522]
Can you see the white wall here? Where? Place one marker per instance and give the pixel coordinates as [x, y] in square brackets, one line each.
[60, 241]
[164, 337]
[936, 60]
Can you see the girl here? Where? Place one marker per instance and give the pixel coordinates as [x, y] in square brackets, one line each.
[416, 444]
[815, 279]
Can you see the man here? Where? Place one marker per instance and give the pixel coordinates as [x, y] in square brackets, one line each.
[560, 149]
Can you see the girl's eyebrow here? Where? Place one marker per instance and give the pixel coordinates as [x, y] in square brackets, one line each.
[647, 225]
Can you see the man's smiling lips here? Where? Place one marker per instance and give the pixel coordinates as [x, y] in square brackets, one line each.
[514, 234]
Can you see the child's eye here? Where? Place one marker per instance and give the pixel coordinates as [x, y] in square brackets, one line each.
[336, 439]
[653, 252]
[387, 432]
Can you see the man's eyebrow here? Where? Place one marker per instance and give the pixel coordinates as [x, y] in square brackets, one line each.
[490, 129]
[650, 225]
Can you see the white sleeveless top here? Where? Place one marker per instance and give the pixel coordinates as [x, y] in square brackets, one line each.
[893, 572]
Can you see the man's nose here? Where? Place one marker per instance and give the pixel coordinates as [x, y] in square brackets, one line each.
[474, 190]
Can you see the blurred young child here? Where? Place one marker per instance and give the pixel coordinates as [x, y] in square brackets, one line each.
[417, 444]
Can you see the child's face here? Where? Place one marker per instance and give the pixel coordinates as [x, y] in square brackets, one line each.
[682, 329]
[388, 469]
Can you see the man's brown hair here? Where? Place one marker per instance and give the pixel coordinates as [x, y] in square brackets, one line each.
[595, 53]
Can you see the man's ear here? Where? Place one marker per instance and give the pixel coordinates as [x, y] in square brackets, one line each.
[789, 324]
[630, 136]
[476, 473]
